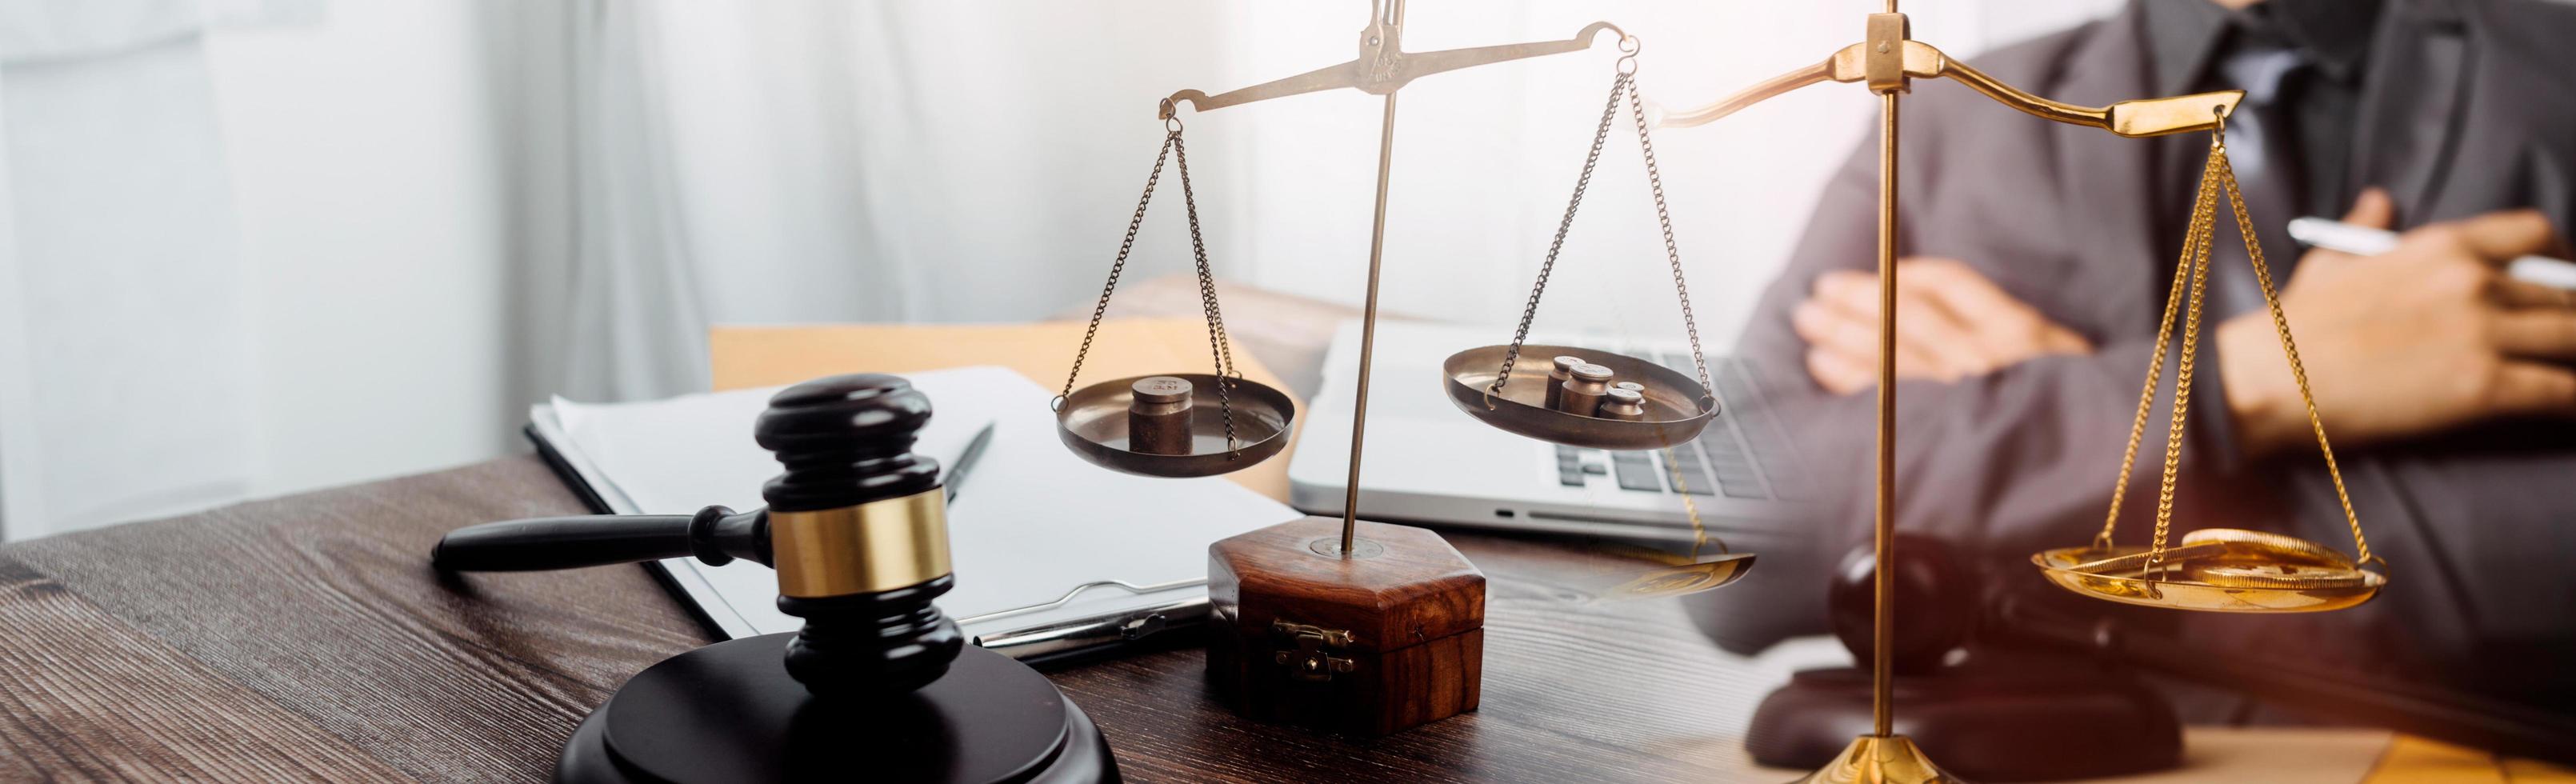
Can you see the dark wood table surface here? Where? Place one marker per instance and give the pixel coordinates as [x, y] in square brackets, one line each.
[307, 638]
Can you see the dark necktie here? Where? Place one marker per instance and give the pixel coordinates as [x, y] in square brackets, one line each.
[2258, 139]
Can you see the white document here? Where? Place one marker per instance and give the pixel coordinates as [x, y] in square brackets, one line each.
[1031, 522]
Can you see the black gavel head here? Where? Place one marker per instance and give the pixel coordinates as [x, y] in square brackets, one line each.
[858, 534]
[845, 440]
[1936, 602]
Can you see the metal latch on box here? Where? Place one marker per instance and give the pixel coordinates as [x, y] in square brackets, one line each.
[1312, 659]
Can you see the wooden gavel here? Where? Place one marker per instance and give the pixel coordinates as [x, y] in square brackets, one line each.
[856, 527]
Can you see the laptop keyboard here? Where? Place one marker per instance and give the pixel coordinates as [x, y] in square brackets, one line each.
[1732, 456]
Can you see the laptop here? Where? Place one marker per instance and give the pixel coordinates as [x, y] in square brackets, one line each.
[1428, 462]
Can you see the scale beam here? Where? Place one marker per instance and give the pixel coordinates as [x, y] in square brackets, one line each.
[1383, 66]
[2138, 118]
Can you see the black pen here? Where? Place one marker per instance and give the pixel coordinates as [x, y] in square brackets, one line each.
[966, 460]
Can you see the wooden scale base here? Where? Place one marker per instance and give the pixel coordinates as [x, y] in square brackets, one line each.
[729, 712]
[1390, 638]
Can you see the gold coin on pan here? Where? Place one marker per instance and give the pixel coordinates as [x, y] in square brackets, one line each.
[2135, 564]
[2290, 576]
[2269, 547]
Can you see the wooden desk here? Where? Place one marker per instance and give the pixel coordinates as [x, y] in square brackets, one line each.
[306, 638]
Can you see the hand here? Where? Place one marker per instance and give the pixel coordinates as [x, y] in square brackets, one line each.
[1952, 323]
[2425, 338]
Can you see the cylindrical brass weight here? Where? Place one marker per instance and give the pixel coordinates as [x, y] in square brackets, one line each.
[1556, 376]
[1158, 422]
[1584, 389]
[1623, 403]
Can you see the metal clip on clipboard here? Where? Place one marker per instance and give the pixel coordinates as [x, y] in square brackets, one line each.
[1083, 635]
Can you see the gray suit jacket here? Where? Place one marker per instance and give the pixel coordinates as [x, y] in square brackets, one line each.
[2468, 106]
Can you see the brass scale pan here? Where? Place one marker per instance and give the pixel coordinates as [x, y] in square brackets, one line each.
[1676, 407]
[1093, 423]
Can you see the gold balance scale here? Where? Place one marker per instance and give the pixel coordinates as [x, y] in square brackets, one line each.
[2213, 570]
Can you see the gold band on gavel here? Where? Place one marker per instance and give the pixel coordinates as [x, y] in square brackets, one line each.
[869, 548]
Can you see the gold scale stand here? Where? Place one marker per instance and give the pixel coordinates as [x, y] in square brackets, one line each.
[2213, 570]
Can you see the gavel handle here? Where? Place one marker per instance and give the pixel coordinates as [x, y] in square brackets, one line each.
[716, 535]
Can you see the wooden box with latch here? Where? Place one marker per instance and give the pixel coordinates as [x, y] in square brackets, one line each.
[1388, 639]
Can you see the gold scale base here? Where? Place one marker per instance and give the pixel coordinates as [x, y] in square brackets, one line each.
[1873, 759]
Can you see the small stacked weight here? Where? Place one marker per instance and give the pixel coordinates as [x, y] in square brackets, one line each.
[1585, 389]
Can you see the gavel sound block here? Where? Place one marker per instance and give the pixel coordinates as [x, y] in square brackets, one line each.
[879, 685]
[1387, 639]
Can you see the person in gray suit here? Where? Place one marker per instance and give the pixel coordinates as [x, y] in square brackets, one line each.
[2036, 257]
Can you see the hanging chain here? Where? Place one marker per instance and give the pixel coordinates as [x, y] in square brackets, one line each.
[2182, 381]
[2195, 243]
[1672, 251]
[1127, 244]
[1622, 83]
[2217, 176]
[2281, 324]
[1220, 350]
[1699, 532]
[1591, 159]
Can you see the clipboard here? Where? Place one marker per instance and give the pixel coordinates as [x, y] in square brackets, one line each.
[1107, 634]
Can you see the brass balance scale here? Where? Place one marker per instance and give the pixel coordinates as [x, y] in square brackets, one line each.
[2214, 570]
[1254, 420]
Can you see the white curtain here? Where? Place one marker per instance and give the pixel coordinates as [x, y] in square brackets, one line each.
[123, 348]
[687, 164]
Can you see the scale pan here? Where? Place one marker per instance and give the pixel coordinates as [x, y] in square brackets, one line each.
[1093, 423]
[1691, 578]
[2181, 593]
[1674, 414]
